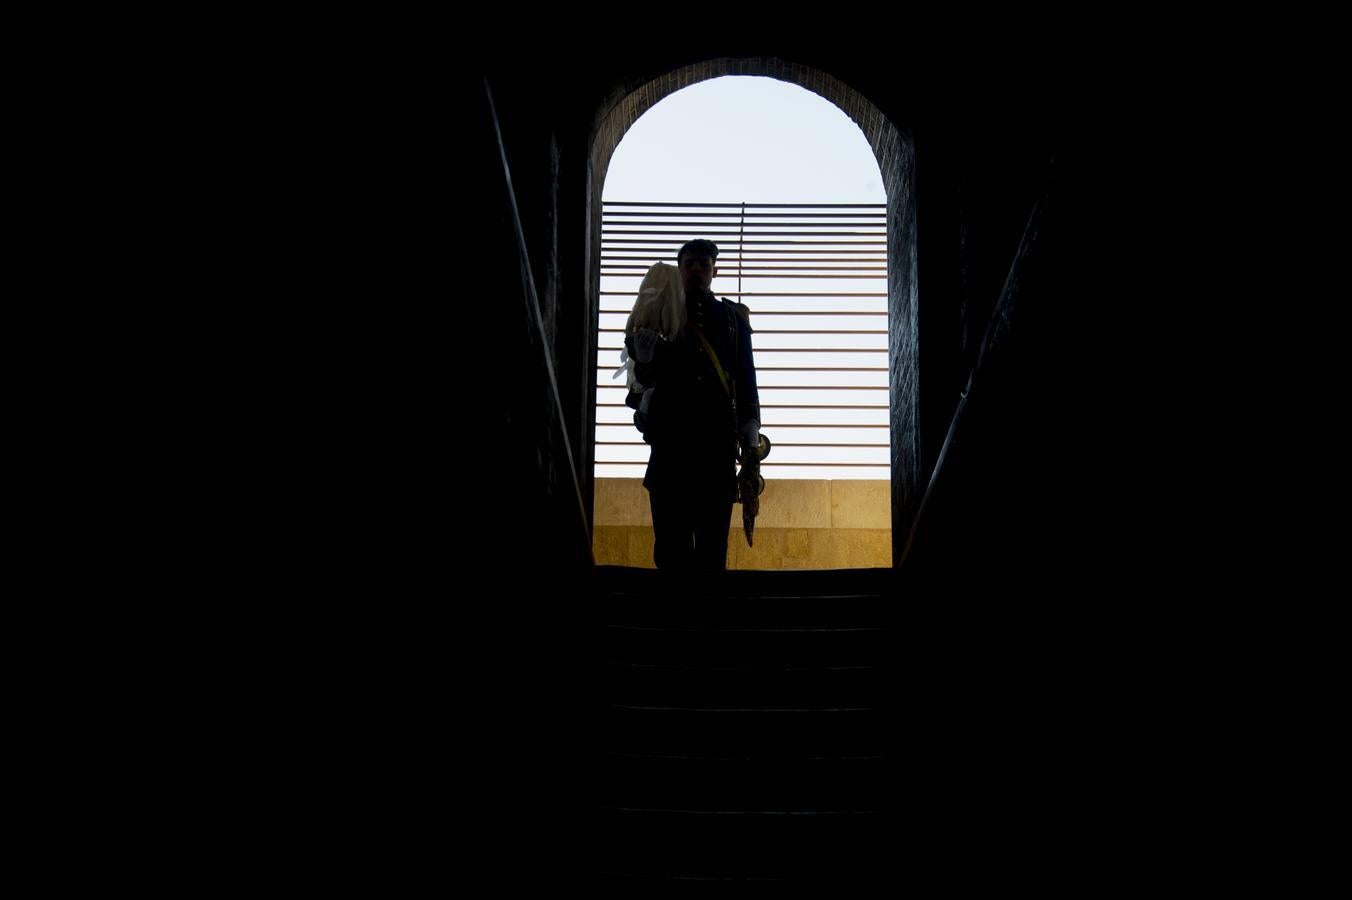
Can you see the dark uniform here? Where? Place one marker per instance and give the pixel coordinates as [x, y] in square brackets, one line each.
[693, 428]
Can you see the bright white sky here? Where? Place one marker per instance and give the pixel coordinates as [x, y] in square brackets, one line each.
[754, 140]
[739, 139]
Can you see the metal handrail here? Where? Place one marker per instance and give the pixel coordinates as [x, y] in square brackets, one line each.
[540, 324]
[1001, 315]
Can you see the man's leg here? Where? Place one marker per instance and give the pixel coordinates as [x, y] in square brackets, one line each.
[673, 530]
[711, 533]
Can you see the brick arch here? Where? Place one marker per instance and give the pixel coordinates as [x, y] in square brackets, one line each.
[894, 150]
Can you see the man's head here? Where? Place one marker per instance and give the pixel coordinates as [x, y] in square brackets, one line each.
[696, 262]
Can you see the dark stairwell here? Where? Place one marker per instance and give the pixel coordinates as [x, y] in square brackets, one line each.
[742, 725]
[814, 726]
[439, 697]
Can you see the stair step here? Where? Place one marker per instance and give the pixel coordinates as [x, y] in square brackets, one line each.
[767, 731]
[745, 684]
[840, 783]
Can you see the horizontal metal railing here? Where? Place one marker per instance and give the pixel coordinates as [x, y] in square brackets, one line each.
[802, 260]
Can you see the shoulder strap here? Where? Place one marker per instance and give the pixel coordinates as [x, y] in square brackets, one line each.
[709, 350]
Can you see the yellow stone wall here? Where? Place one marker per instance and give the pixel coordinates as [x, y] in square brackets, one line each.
[802, 525]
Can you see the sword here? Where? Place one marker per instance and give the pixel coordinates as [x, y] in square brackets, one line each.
[750, 484]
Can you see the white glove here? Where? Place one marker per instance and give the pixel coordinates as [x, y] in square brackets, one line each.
[645, 343]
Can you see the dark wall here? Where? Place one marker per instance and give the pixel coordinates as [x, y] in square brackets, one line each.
[433, 429]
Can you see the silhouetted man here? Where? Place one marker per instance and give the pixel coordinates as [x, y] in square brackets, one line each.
[703, 401]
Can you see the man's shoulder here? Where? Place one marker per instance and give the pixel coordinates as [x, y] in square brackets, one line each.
[741, 309]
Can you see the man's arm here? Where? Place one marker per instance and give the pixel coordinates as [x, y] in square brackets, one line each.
[748, 395]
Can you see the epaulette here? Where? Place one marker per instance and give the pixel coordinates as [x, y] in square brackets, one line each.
[743, 312]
